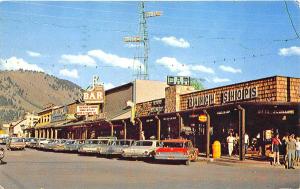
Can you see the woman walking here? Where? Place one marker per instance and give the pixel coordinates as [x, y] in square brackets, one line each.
[275, 148]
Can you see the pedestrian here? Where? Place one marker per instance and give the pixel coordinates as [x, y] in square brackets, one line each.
[1, 155]
[236, 144]
[230, 142]
[246, 142]
[284, 141]
[298, 150]
[142, 135]
[275, 148]
[291, 149]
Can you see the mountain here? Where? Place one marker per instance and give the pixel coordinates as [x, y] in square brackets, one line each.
[28, 91]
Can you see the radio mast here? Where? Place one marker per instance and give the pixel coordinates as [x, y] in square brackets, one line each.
[140, 71]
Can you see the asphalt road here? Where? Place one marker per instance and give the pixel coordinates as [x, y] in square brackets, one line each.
[34, 169]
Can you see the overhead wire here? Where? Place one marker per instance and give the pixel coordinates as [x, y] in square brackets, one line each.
[291, 20]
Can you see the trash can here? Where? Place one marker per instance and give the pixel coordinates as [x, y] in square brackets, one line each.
[216, 149]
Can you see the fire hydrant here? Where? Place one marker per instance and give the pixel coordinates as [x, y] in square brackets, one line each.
[216, 149]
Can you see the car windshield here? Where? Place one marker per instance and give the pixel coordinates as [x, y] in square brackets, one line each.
[70, 142]
[17, 140]
[103, 141]
[172, 144]
[126, 142]
[143, 143]
[80, 142]
[92, 142]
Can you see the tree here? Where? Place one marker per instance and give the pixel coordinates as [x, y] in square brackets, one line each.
[197, 84]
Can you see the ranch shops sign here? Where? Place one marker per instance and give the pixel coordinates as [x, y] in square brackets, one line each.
[95, 95]
[203, 100]
[239, 94]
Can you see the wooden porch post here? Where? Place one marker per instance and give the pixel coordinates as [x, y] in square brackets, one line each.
[140, 128]
[158, 127]
[207, 134]
[179, 124]
[111, 129]
[242, 117]
[125, 129]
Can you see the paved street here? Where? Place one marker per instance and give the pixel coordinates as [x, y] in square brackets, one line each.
[36, 169]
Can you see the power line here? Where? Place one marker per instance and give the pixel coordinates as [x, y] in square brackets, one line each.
[291, 20]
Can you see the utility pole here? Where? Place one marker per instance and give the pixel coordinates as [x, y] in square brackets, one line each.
[141, 70]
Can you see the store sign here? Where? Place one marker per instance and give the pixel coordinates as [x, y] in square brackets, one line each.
[157, 106]
[276, 112]
[203, 100]
[202, 118]
[94, 95]
[87, 110]
[239, 94]
[178, 80]
[169, 118]
[59, 114]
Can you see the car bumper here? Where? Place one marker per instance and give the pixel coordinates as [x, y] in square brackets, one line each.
[17, 147]
[88, 151]
[171, 157]
[135, 155]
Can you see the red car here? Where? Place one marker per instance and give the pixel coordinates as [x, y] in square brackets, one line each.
[177, 149]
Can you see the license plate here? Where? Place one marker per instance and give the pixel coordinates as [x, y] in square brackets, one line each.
[171, 157]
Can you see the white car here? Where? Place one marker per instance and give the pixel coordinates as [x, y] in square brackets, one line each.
[41, 142]
[141, 148]
[93, 146]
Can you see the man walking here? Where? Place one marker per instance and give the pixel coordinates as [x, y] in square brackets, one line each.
[291, 149]
[246, 142]
[230, 142]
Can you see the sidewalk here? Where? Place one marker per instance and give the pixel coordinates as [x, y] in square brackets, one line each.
[234, 161]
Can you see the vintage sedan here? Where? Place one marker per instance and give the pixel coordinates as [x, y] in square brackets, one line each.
[93, 146]
[41, 143]
[177, 149]
[117, 147]
[28, 141]
[90, 146]
[15, 143]
[33, 143]
[141, 148]
[60, 145]
[51, 144]
[73, 145]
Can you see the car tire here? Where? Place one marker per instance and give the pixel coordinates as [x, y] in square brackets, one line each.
[187, 162]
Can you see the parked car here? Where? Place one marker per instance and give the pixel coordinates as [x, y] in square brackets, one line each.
[117, 147]
[41, 143]
[28, 141]
[50, 145]
[60, 145]
[33, 143]
[105, 142]
[92, 146]
[141, 148]
[15, 143]
[73, 145]
[177, 149]
[3, 138]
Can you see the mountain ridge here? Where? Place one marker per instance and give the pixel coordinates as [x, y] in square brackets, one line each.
[28, 91]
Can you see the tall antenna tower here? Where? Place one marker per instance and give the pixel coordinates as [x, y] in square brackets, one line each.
[140, 64]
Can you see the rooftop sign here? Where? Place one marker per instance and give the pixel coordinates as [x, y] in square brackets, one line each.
[178, 80]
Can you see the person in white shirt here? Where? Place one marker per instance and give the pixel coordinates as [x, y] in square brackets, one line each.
[298, 150]
[230, 142]
[246, 142]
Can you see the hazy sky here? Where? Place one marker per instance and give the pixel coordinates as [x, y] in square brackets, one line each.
[220, 42]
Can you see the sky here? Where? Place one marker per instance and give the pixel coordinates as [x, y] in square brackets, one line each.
[220, 43]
